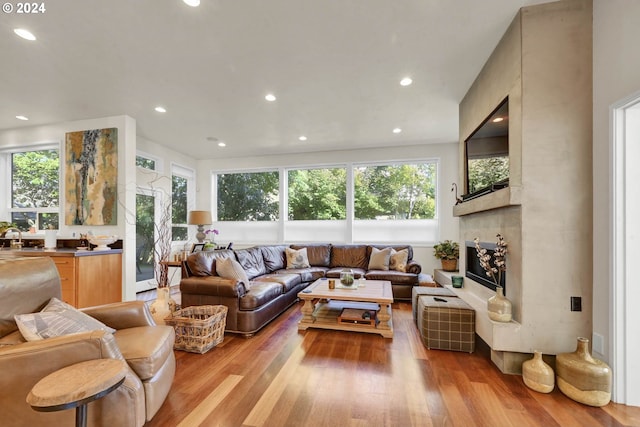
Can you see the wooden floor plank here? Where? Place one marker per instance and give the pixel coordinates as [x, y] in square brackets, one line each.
[283, 377]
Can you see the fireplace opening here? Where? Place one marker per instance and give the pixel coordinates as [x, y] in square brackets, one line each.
[474, 270]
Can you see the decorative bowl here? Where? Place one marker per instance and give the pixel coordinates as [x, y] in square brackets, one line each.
[101, 242]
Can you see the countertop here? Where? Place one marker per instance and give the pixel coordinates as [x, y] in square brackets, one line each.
[62, 252]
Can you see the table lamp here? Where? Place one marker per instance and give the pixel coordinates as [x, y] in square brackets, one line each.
[200, 218]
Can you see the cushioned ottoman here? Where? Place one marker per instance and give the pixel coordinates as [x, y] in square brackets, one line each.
[446, 323]
[418, 291]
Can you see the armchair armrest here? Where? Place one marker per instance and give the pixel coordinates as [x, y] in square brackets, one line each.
[212, 285]
[122, 315]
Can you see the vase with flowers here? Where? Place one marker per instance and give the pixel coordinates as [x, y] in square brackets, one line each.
[499, 307]
[210, 240]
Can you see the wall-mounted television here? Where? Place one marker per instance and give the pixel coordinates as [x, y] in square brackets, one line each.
[487, 154]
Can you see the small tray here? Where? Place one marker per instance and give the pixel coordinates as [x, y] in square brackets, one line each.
[353, 316]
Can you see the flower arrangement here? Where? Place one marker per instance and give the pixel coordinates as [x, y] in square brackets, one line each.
[211, 237]
[495, 269]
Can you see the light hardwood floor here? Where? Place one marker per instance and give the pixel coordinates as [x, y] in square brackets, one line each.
[282, 377]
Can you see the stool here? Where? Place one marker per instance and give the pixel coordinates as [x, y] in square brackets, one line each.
[77, 385]
[420, 290]
[446, 323]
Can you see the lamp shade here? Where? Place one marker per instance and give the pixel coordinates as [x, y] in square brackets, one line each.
[199, 217]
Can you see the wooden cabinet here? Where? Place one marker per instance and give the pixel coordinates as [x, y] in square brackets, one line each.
[87, 279]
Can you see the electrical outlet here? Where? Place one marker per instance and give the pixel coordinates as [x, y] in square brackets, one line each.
[576, 303]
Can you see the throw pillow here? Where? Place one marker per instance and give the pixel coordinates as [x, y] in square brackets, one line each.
[297, 258]
[379, 259]
[229, 268]
[399, 260]
[56, 319]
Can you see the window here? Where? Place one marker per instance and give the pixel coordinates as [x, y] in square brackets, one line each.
[388, 192]
[380, 203]
[251, 196]
[145, 162]
[179, 229]
[317, 194]
[182, 195]
[35, 189]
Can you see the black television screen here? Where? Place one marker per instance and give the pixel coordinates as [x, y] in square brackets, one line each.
[487, 154]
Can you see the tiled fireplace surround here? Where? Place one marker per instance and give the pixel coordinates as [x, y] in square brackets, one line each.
[543, 65]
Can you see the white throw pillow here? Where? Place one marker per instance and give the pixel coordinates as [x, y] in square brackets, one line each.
[297, 258]
[398, 260]
[56, 319]
[229, 268]
[379, 259]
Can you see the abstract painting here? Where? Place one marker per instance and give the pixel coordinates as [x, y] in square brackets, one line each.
[91, 177]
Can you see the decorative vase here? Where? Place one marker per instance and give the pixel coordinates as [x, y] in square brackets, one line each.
[537, 375]
[499, 307]
[449, 264]
[346, 277]
[160, 307]
[583, 378]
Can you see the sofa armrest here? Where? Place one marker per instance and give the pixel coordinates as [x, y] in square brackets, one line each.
[212, 285]
[122, 315]
[414, 267]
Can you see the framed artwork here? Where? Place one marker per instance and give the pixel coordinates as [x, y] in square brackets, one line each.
[91, 177]
[197, 247]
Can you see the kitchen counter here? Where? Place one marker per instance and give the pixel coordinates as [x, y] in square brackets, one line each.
[87, 278]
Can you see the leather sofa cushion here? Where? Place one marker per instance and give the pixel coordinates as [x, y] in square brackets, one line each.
[203, 263]
[306, 274]
[273, 256]
[318, 254]
[355, 256]
[334, 273]
[146, 348]
[251, 261]
[261, 293]
[288, 281]
[395, 277]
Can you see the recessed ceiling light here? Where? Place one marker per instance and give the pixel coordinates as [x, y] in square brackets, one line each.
[25, 34]
[302, 138]
[192, 3]
[22, 117]
[160, 109]
[221, 144]
[397, 130]
[270, 97]
[497, 120]
[406, 81]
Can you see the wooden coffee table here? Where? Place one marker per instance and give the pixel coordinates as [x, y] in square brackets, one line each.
[322, 306]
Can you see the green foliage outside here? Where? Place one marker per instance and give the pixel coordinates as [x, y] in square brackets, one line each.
[318, 194]
[395, 191]
[248, 196]
[179, 207]
[35, 177]
[145, 163]
[484, 172]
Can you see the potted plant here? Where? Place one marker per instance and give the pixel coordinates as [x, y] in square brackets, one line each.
[448, 252]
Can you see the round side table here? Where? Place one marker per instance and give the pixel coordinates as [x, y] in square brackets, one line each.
[76, 385]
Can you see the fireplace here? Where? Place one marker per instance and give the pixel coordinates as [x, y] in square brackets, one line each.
[474, 270]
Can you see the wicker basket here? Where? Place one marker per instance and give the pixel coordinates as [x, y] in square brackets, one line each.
[198, 328]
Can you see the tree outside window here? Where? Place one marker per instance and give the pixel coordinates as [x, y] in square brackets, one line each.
[317, 194]
[251, 196]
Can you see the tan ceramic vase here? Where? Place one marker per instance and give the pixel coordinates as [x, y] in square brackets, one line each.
[499, 307]
[160, 307]
[583, 378]
[537, 375]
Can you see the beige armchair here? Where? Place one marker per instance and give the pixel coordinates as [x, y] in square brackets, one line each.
[26, 285]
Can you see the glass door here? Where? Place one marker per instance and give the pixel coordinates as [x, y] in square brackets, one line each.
[145, 215]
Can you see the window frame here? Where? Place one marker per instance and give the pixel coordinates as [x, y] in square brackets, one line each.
[190, 175]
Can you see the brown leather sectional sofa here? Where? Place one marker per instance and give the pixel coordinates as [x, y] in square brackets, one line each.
[273, 286]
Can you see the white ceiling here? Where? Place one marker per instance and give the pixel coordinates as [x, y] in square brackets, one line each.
[334, 65]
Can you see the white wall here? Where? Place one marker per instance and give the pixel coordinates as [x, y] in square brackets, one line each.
[616, 75]
[448, 173]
